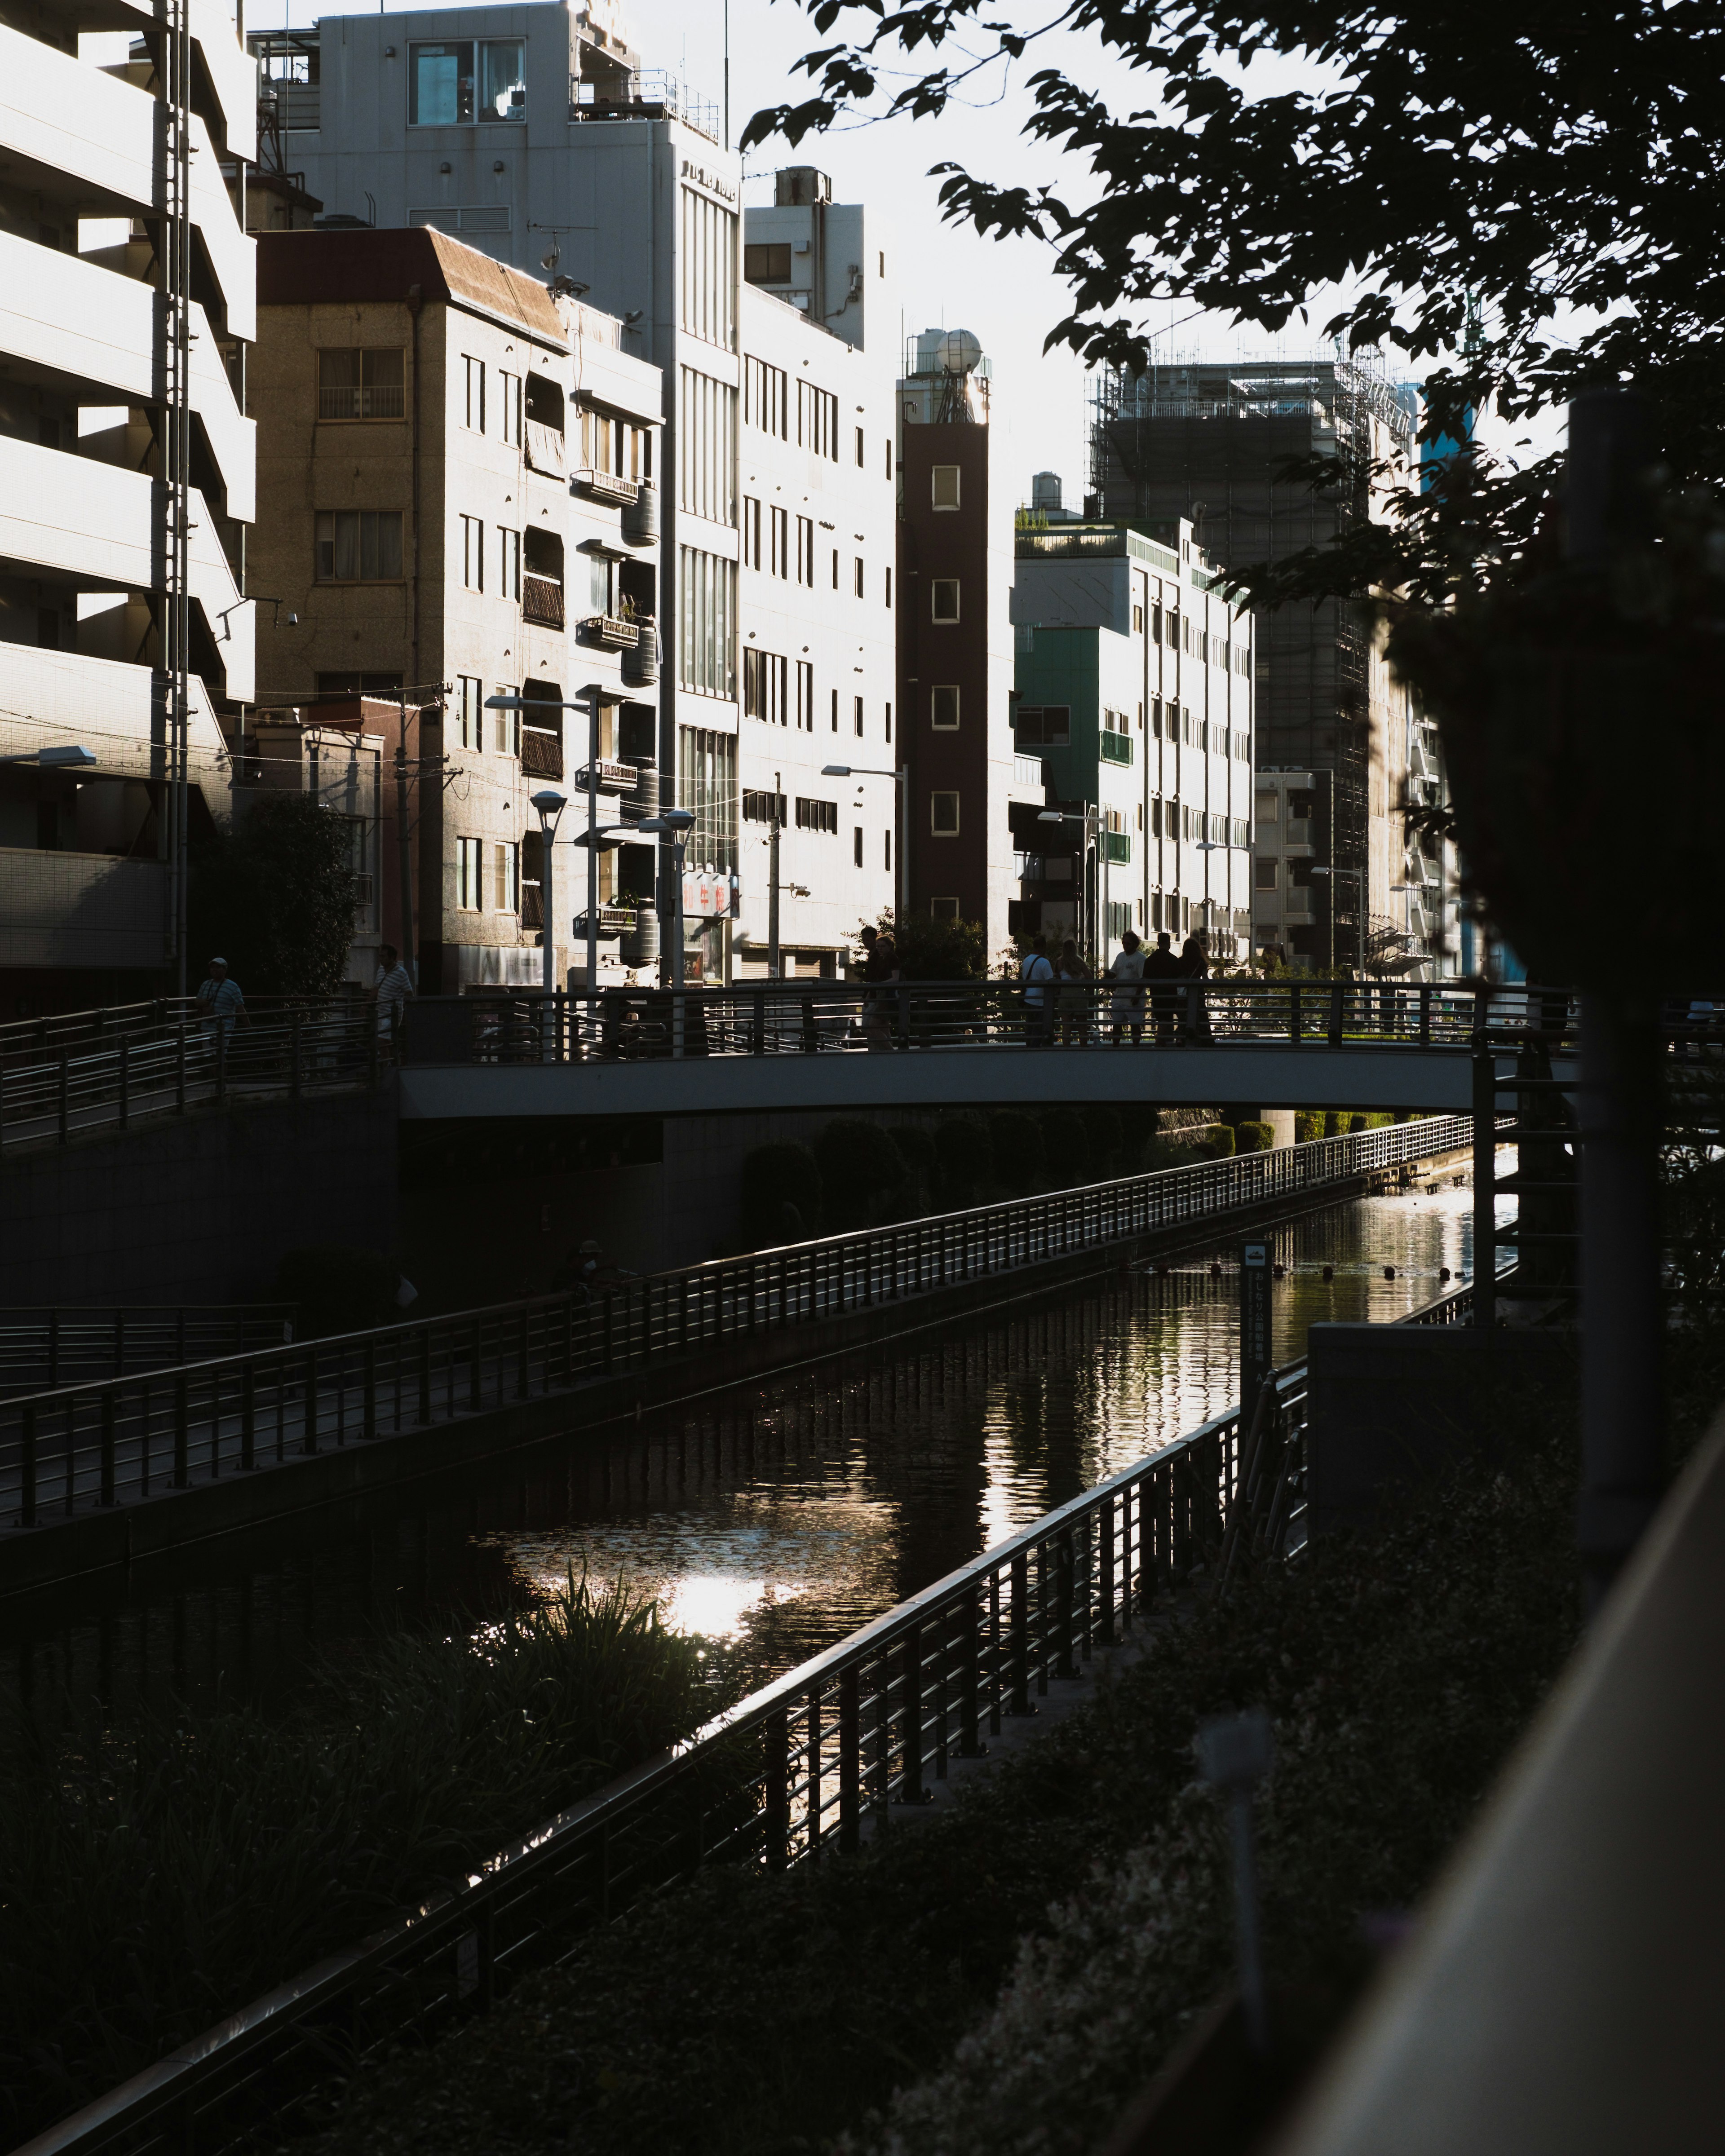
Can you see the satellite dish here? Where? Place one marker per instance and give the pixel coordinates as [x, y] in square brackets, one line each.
[960, 352]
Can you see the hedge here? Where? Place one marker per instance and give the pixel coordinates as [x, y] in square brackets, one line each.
[1253, 1137]
[1309, 1125]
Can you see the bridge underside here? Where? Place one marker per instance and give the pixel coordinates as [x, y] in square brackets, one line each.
[1438, 1081]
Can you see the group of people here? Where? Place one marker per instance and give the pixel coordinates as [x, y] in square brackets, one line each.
[1057, 993]
[222, 1001]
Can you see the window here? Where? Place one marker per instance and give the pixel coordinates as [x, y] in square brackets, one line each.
[706, 785]
[1239, 832]
[818, 816]
[473, 553]
[507, 725]
[889, 584]
[600, 578]
[509, 563]
[889, 456]
[856, 846]
[943, 593]
[860, 449]
[857, 575]
[467, 874]
[1171, 627]
[943, 815]
[818, 420]
[768, 265]
[1044, 726]
[708, 269]
[887, 836]
[1137, 621]
[506, 877]
[805, 696]
[805, 552]
[766, 397]
[856, 714]
[612, 445]
[359, 384]
[889, 719]
[1189, 635]
[708, 587]
[474, 411]
[751, 532]
[944, 909]
[510, 385]
[1300, 875]
[944, 485]
[446, 88]
[764, 678]
[764, 808]
[835, 711]
[943, 707]
[780, 522]
[470, 696]
[706, 451]
[358, 545]
[835, 568]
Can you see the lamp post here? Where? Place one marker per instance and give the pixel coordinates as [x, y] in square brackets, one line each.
[1352, 875]
[1090, 818]
[591, 699]
[901, 777]
[675, 824]
[550, 805]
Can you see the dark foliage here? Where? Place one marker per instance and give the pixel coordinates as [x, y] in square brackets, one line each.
[861, 1171]
[275, 896]
[782, 1195]
[1015, 1141]
[337, 1288]
[963, 1162]
[1066, 1148]
[931, 949]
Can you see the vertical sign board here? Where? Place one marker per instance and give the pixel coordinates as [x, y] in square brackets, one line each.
[1255, 1362]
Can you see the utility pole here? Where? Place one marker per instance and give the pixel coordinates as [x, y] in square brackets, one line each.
[177, 470]
[403, 858]
[772, 960]
[593, 695]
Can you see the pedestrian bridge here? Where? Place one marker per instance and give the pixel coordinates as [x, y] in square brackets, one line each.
[834, 1046]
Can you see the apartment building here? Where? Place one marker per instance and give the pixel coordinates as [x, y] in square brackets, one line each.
[126, 488]
[1135, 681]
[457, 470]
[533, 134]
[955, 645]
[1206, 442]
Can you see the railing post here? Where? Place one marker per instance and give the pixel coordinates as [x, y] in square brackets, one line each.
[1425, 1014]
[850, 1760]
[368, 1424]
[811, 1032]
[1485, 1181]
[776, 1733]
[107, 1468]
[424, 1377]
[1021, 1633]
[1105, 1528]
[970, 1743]
[757, 1026]
[1064, 1585]
[65, 1098]
[1337, 991]
[910, 1722]
[248, 1417]
[26, 1465]
[308, 1441]
[182, 1431]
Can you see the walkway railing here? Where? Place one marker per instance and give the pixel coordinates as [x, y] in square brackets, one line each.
[42, 1350]
[121, 1441]
[812, 1017]
[792, 1775]
[167, 1066]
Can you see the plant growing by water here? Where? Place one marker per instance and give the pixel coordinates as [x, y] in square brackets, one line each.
[159, 1875]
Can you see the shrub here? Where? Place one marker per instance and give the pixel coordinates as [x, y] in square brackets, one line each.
[915, 1148]
[1341, 1123]
[1309, 1124]
[1253, 1137]
[935, 949]
[1015, 1140]
[781, 1195]
[275, 896]
[1377, 1120]
[1108, 1141]
[860, 1170]
[1065, 1147]
[337, 1290]
[1219, 1142]
[963, 1161]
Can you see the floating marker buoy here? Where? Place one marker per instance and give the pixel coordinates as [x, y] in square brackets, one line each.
[1216, 1272]
[1329, 1272]
[1443, 1272]
[1278, 1272]
[1389, 1272]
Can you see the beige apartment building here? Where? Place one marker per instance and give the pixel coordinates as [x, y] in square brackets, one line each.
[456, 472]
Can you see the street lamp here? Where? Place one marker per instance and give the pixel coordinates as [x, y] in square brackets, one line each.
[902, 775]
[550, 805]
[592, 697]
[1091, 820]
[68, 758]
[1352, 875]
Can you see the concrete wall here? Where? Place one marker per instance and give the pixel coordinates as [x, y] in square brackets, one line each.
[198, 1209]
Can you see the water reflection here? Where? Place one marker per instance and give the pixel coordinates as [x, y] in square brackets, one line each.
[778, 1519]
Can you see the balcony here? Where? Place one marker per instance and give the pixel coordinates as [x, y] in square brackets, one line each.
[543, 600]
[610, 776]
[542, 754]
[608, 630]
[605, 486]
[1117, 748]
[1117, 845]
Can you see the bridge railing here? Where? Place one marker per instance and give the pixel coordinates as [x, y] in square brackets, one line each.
[186, 1061]
[812, 1017]
[796, 1773]
[120, 1441]
[42, 1350]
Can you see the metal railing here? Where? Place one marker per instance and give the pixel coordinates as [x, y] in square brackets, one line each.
[792, 1775]
[42, 1350]
[810, 1018]
[120, 1441]
[176, 1057]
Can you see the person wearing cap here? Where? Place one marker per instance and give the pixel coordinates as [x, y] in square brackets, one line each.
[220, 999]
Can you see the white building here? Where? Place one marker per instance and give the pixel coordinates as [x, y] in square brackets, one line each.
[532, 132]
[106, 640]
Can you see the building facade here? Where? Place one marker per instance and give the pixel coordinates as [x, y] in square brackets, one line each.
[458, 471]
[1207, 442]
[1135, 681]
[126, 483]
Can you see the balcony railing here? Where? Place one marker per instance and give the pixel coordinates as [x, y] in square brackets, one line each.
[1117, 748]
[541, 755]
[607, 629]
[605, 486]
[543, 600]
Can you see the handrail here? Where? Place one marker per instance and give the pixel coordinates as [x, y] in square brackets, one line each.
[42, 1350]
[781, 1778]
[117, 1441]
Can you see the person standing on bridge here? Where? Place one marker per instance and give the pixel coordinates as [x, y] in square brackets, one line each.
[1076, 999]
[220, 1001]
[1196, 968]
[1127, 971]
[393, 986]
[1037, 973]
[1164, 968]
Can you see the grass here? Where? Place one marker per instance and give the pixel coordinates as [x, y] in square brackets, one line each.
[157, 1878]
[1006, 1975]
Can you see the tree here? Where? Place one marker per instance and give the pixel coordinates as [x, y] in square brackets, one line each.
[275, 895]
[1523, 202]
[935, 947]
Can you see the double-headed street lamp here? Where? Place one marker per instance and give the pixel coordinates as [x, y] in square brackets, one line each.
[592, 698]
[901, 777]
[1352, 875]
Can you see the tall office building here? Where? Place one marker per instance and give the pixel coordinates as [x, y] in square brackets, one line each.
[1206, 442]
[533, 133]
[125, 485]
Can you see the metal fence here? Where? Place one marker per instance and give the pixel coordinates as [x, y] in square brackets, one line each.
[120, 1441]
[162, 1067]
[42, 1350]
[810, 1018]
[794, 1774]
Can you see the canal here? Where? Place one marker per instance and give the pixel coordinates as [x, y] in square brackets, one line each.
[775, 1519]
